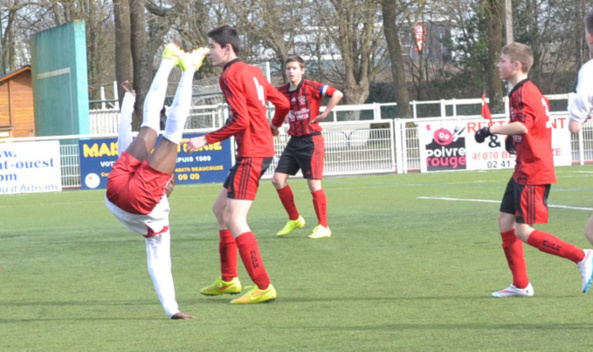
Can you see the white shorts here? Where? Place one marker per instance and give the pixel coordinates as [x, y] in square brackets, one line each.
[146, 225]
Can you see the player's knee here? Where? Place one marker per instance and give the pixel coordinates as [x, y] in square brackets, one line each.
[506, 222]
[278, 182]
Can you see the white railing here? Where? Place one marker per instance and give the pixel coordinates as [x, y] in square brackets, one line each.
[214, 116]
[352, 147]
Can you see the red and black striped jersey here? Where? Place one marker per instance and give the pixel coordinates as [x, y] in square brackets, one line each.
[305, 102]
[247, 91]
[535, 161]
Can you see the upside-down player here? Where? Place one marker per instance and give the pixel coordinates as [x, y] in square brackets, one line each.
[246, 91]
[525, 199]
[305, 149]
[581, 106]
[140, 183]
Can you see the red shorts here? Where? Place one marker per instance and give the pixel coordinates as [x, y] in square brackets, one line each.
[243, 180]
[529, 203]
[135, 186]
[305, 153]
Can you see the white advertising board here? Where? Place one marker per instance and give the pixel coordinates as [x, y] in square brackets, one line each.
[450, 145]
[30, 167]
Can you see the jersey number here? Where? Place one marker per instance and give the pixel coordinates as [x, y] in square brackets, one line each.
[260, 91]
[545, 104]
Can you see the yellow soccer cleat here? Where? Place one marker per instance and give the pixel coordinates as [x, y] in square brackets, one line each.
[320, 231]
[291, 225]
[255, 295]
[173, 51]
[221, 287]
[195, 58]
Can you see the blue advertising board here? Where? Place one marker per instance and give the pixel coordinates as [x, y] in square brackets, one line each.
[211, 164]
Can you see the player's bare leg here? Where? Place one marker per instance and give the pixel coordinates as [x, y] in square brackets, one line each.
[235, 216]
[143, 143]
[589, 230]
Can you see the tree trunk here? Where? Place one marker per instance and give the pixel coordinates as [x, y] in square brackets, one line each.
[397, 63]
[123, 44]
[494, 10]
[142, 73]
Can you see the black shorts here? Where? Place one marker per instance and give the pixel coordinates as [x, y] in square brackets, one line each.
[243, 180]
[529, 203]
[306, 153]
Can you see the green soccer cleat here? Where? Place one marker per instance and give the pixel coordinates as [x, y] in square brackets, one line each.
[173, 51]
[195, 58]
[221, 287]
[255, 295]
[291, 225]
[320, 231]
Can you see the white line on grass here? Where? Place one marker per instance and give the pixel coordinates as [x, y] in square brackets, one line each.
[497, 201]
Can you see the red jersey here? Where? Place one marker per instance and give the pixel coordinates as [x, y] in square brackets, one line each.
[305, 101]
[535, 162]
[246, 91]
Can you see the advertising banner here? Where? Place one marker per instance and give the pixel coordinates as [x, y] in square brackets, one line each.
[212, 164]
[30, 167]
[450, 145]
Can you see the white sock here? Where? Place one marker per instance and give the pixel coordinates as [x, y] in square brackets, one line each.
[155, 98]
[180, 107]
[158, 255]
[124, 137]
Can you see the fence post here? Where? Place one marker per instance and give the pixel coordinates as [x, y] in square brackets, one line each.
[443, 108]
[581, 148]
[116, 96]
[396, 152]
[376, 112]
[414, 110]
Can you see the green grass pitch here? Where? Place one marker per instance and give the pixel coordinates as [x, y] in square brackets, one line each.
[400, 273]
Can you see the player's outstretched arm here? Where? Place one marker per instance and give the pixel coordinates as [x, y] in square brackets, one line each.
[182, 316]
[195, 143]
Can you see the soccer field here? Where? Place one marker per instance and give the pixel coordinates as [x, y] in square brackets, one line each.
[402, 272]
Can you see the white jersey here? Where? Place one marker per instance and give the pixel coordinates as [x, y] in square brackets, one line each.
[157, 220]
[581, 105]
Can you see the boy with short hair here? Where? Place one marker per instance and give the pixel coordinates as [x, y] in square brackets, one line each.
[305, 150]
[246, 91]
[525, 199]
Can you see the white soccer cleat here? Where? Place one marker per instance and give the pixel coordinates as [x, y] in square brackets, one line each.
[513, 291]
[586, 268]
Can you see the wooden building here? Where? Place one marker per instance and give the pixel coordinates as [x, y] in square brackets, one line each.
[17, 112]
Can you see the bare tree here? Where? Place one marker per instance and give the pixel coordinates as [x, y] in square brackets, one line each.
[389, 9]
[353, 37]
[494, 11]
[123, 42]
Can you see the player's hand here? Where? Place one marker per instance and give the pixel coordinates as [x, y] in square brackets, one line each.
[182, 316]
[275, 131]
[195, 143]
[124, 86]
[509, 146]
[482, 134]
[318, 119]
